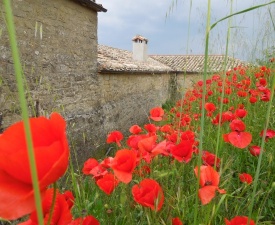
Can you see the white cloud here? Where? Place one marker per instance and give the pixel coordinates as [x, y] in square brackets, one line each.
[166, 21]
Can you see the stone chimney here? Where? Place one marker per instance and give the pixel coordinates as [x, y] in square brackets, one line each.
[139, 48]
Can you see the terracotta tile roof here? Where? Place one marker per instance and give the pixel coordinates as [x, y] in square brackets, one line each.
[195, 63]
[117, 60]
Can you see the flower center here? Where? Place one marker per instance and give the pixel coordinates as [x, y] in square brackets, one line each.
[207, 183]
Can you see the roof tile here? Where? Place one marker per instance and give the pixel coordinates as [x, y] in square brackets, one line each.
[195, 63]
[117, 60]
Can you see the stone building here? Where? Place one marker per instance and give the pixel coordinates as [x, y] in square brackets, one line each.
[58, 45]
[96, 88]
[134, 82]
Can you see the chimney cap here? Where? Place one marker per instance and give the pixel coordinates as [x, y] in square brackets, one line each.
[139, 38]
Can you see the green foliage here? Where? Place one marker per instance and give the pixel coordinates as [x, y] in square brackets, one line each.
[168, 105]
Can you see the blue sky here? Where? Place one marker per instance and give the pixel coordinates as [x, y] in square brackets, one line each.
[165, 24]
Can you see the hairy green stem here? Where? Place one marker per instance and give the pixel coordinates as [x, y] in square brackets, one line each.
[53, 203]
[24, 108]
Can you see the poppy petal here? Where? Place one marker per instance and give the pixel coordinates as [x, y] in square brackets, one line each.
[12, 197]
[124, 164]
[51, 154]
[46, 157]
[207, 193]
[240, 139]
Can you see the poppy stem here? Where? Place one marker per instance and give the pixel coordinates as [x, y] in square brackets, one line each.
[24, 108]
[53, 203]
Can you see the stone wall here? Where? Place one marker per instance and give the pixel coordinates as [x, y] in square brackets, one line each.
[127, 98]
[185, 81]
[58, 46]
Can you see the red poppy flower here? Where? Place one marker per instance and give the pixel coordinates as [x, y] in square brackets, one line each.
[188, 136]
[265, 97]
[89, 165]
[61, 213]
[94, 168]
[166, 128]
[255, 150]
[176, 221]
[237, 125]
[148, 148]
[124, 164]
[107, 183]
[253, 99]
[200, 83]
[51, 154]
[228, 91]
[156, 113]
[88, 220]
[241, 113]
[246, 178]
[185, 120]
[227, 116]
[115, 137]
[149, 194]
[209, 159]
[173, 137]
[239, 220]
[133, 140]
[209, 181]
[135, 129]
[106, 163]
[260, 74]
[183, 151]
[225, 100]
[210, 107]
[261, 83]
[210, 92]
[151, 128]
[216, 77]
[240, 139]
[161, 148]
[242, 93]
[269, 134]
[147, 144]
[68, 195]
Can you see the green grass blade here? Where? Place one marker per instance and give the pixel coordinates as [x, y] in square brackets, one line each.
[199, 162]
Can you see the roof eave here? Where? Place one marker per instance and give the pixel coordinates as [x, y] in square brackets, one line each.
[106, 71]
[92, 5]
